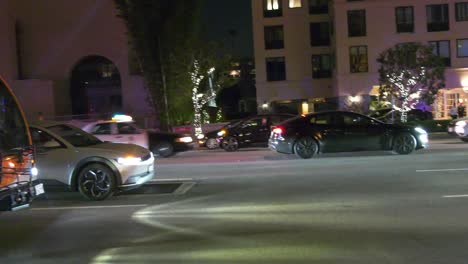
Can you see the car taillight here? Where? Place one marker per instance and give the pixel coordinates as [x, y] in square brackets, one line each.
[278, 130]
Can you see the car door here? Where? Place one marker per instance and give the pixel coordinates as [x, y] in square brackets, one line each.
[327, 130]
[248, 131]
[129, 133]
[361, 132]
[52, 157]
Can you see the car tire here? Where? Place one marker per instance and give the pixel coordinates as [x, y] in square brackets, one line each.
[230, 144]
[464, 139]
[212, 143]
[96, 182]
[306, 147]
[404, 143]
[163, 149]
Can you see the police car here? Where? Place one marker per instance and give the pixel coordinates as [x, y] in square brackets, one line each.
[122, 129]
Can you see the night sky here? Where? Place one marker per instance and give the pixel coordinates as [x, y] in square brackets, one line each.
[229, 22]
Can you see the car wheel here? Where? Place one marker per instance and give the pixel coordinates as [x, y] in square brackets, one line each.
[163, 149]
[404, 143]
[212, 143]
[230, 144]
[96, 182]
[464, 139]
[306, 148]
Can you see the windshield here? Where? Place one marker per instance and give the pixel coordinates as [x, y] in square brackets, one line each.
[13, 132]
[75, 136]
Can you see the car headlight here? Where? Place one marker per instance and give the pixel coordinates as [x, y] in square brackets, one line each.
[221, 133]
[460, 127]
[185, 139]
[420, 130]
[201, 136]
[34, 171]
[129, 160]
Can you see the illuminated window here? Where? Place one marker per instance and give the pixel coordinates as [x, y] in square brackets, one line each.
[462, 47]
[358, 59]
[272, 8]
[437, 17]
[404, 19]
[461, 11]
[295, 3]
[442, 49]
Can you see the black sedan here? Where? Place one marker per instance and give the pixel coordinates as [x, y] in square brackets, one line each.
[211, 139]
[250, 131]
[340, 131]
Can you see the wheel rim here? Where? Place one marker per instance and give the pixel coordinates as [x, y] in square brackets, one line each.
[404, 143]
[96, 183]
[230, 144]
[306, 147]
[211, 143]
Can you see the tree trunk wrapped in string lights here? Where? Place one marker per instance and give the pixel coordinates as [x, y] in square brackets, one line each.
[410, 72]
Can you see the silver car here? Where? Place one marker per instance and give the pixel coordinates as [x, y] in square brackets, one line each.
[68, 155]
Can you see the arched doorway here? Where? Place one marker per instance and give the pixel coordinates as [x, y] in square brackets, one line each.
[95, 87]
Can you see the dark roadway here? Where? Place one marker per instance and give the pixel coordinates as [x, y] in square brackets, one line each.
[255, 206]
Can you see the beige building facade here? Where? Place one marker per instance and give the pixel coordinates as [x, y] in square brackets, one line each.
[327, 58]
[43, 44]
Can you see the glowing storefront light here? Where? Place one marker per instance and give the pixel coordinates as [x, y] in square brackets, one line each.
[295, 3]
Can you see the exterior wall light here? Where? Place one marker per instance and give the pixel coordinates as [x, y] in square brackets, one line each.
[355, 99]
[264, 105]
[305, 107]
[464, 83]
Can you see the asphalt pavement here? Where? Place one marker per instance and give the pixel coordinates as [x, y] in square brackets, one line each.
[256, 206]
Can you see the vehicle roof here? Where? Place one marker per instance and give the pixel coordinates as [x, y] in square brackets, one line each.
[47, 123]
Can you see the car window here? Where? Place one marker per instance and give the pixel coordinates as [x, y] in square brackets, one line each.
[125, 128]
[42, 139]
[323, 119]
[278, 119]
[256, 122]
[352, 120]
[102, 129]
[75, 136]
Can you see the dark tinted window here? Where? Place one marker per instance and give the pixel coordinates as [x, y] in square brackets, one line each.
[274, 37]
[322, 119]
[404, 19]
[102, 129]
[44, 140]
[437, 17]
[125, 128]
[356, 23]
[13, 132]
[319, 34]
[352, 119]
[276, 69]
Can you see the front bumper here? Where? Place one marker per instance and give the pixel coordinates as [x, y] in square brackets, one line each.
[136, 181]
[19, 195]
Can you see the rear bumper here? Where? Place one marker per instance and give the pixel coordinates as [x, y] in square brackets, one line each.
[281, 146]
[19, 196]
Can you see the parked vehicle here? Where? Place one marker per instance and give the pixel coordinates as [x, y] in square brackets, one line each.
[452, 125]
[211, 140]
[459, 127]
[122, 129]
[250, 131]
[18, 172]
[69, 156]
[340, 131]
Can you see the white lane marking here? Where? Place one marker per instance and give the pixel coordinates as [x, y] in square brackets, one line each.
[88, 207]
[461, 169]
[456, 196]
[170, 180]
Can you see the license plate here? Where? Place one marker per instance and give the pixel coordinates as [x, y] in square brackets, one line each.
[39, 189]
